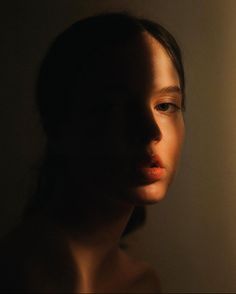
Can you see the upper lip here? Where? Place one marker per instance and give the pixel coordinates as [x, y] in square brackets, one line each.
[151, 161]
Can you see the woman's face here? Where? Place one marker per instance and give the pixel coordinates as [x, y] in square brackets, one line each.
[132, 125]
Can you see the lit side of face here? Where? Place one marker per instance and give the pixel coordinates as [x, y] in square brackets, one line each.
[164, 105]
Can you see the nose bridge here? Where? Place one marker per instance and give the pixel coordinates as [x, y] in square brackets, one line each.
[144, 127]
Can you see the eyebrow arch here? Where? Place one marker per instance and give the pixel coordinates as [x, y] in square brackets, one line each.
[170, 90]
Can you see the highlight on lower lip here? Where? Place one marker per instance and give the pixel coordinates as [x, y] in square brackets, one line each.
[152, 173]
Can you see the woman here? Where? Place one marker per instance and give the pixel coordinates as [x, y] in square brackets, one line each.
[111, 98]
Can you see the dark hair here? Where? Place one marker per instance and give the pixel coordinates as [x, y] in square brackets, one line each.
[67, 62]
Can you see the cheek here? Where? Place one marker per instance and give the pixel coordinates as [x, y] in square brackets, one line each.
[173, 137]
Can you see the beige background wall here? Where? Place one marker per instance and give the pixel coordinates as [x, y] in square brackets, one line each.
[190, 236]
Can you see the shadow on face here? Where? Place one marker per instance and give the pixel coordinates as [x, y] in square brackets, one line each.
[110, 126]
[96, 95]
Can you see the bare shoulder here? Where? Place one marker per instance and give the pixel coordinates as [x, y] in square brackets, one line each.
[143, 277]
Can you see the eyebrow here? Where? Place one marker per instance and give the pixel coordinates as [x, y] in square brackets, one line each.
[170, 90]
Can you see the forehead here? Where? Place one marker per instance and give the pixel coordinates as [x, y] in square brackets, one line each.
[141, 65]
[162, 67]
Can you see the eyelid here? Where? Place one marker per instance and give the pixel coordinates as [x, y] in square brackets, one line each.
[173, 99]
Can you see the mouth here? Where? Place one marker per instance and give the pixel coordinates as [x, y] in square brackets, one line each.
[150, 170]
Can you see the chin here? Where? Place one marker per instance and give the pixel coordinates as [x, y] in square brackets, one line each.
[148, 194]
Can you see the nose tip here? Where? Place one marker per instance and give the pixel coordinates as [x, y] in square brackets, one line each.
[147, 132]
[144, 129]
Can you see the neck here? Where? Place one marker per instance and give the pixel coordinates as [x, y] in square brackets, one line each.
[95, 245]
[97, 253]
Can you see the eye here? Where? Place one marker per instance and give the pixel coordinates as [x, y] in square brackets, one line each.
[167, 107]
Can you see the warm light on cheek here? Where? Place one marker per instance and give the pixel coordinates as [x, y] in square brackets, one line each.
[173, 133]
[172, 127]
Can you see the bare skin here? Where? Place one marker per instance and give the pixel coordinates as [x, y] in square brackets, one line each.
[105, 268]
[89, 260]
[40, 259]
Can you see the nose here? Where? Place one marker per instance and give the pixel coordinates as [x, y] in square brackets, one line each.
[142, 127]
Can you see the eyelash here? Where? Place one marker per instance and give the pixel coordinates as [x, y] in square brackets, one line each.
[175, 107]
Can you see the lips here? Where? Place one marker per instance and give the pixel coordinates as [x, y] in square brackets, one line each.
[150, 170]
[150, 162]
[152, 174]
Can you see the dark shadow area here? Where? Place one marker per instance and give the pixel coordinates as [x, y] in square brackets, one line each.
[35, 259]
[92, 95]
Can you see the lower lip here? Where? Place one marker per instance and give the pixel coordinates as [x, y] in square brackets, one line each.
[152, 174]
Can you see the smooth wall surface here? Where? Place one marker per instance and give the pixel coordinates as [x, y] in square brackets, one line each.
[190, 236]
